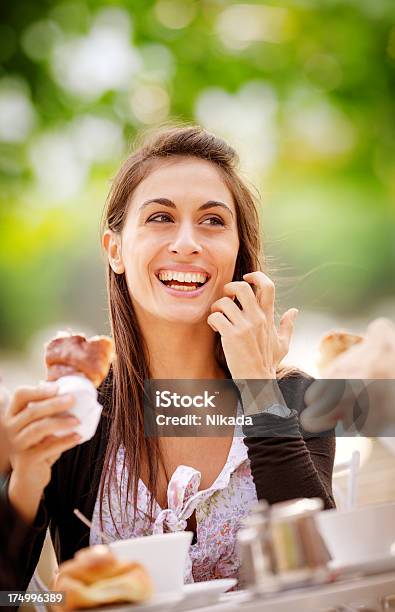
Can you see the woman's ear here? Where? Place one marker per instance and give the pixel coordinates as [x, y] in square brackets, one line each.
[111, 242]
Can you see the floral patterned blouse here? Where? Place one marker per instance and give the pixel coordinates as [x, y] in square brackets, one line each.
[219, 511]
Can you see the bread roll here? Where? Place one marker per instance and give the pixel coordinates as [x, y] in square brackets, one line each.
[96, 577]
[334, 344]
[94, 563]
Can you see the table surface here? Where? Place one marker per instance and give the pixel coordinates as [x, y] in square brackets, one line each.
[358, 590]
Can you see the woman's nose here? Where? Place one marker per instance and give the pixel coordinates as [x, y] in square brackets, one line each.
[185, 241]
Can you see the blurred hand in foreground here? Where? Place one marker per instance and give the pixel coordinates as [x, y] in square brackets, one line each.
[363, 396]
[372, 358]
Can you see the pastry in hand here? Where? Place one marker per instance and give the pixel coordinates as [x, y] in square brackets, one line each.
[334, 344]
[355, 357]
[96, 577]
[71, 354]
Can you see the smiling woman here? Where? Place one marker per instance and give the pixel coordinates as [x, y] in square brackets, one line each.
[188, 300]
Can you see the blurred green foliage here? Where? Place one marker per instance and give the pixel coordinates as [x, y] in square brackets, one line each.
[328, 189]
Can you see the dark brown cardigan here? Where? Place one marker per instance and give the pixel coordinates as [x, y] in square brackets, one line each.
[283, 467]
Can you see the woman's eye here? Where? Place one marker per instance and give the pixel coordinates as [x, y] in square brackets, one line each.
[157, 218]
[216, 221]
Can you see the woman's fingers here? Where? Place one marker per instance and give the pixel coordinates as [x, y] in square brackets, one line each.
[226, 306]
[52, 447]
[219, 323]
[265, 291]
[36, 431]
[53, 458]
[314, 423]
[328, 401]
[315, 390]
[26, 394]
[320, 398]
[381, 328]
[47, 445]
[251, 342]
[35, 410]
[325, 394]
[244, 293]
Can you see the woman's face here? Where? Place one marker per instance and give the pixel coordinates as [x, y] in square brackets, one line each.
[179, 243]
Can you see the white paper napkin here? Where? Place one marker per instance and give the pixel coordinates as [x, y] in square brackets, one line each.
[86, 408]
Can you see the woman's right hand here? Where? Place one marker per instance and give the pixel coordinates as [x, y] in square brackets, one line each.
[33, 417]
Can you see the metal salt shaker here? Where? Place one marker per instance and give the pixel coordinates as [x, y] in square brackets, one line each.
[255, 550]
[281, 546]
[299, 550]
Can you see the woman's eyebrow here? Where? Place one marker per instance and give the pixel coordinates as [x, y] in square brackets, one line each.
[170, 204]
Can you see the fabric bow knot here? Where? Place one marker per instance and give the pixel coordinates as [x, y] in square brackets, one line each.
[183, 485]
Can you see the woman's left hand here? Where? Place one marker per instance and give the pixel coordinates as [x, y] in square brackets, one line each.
[252, 344]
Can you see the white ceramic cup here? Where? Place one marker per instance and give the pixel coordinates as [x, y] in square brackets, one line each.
[360, 534]
[86, 407]
[163, 555]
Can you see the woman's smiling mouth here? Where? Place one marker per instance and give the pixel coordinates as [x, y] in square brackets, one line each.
[183, 284]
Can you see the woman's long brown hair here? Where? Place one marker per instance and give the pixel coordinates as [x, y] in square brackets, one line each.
[123, 391]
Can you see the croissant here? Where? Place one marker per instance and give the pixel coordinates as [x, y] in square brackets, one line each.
[69, 354]
[96, 577]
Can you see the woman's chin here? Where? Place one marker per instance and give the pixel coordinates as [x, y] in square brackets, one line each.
[184, 315]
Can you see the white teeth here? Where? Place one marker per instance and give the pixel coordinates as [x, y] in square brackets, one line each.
[183, 288]
[183, 277]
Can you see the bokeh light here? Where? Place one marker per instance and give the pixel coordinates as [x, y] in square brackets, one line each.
[97, 139]
[240, 25]
[17, 115]
[104, 60]
[175, 14]
[60, 172]
[247, 119]
[316, 128]
[150, 103]
[39, 39]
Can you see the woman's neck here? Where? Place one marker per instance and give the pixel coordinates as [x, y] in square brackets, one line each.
[181, 351]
